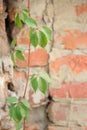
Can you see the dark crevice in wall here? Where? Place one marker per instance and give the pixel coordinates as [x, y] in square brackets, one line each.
[8, 23]
[10, 86]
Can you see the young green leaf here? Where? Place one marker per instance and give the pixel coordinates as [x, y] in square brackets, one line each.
[42, 39]
[25, 103]
[11, 110]
[12, 100]
[19, 55]
[14, 113]
[45, 76]
[48, 32]
[30, 22]
[13, 59]
[25, 11]
[18, 21]
[33, 37]
[13, 43]
[19, 48]
[34, 83]
[18, 125]
[18, 113]
[24, 110]
[42, 84]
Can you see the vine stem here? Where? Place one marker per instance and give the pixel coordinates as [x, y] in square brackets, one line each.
[24, 123]
[28, 60]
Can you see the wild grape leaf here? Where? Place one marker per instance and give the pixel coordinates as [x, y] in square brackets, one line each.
[24, 110]
[42, 39]
[13, 43]
[34, 83]
[30, 22]
[18, 21]
[46, 77]
[13, 58]
[25, 103]
[47, 31]
[42, 84]
[18, 125]
[33, 38]
[12, 100]
[19, 55]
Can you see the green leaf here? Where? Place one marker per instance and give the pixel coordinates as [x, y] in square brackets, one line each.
[24, 110]
[18, 21]
[42, 39]
[34, 83]
[11, 110]
[13, 43]
[18, 113]
[14, 113]
[25, 103]
[19, 55]
[12, 100]
[33, 37]
[30, 22]
[13, 59]
[19, 48]
[45, 76]
[42, 84]
[18, 126]
[25, 11]
[48, 32]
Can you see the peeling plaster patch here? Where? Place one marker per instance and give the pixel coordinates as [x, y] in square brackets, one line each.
[37, 97]
[3, 93]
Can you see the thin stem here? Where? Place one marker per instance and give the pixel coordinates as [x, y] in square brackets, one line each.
[29, 5]
[28, 73]
[24, 123]
[28, 61]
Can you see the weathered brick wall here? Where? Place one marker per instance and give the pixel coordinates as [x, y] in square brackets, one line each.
[67, 66]
[64, 107]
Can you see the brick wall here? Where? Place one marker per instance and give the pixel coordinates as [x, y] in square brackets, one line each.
[65, 59]
[67, 66]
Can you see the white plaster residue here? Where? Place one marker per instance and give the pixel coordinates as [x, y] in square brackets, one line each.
[2, 86]
[37, 97]
[2, 93]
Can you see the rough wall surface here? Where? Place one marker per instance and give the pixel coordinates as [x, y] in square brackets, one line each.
[65, 105]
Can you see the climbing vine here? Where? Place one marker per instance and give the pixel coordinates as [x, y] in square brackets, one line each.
[39, 36]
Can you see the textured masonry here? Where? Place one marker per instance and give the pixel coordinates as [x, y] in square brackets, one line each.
[65, 105]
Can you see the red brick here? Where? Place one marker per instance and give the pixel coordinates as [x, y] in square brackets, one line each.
[37, 17]
[57, 128]
[72, 39]
[33, 127]
[58, 113]
[23, 40]
[65, 128]
[39, 57]
[19, 75]
[68, 113]
[23, 36]
[71, 90]
[77, 63]
[75, 39]
[81, 9]
[78, 113]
